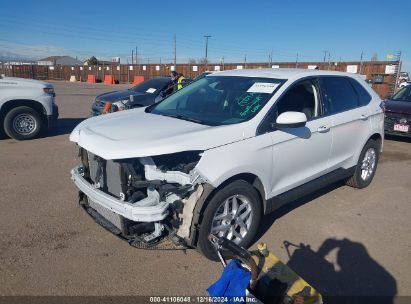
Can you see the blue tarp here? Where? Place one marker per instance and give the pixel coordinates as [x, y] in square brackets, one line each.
[232, 283]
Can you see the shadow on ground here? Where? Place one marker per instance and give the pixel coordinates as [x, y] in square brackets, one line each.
[62, 126]
[398, 138]
[354, 277]
[269, 219]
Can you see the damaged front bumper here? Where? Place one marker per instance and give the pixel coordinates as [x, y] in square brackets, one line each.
[146, 200]
[132, 212]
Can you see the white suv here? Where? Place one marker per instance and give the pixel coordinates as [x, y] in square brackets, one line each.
[218, 154]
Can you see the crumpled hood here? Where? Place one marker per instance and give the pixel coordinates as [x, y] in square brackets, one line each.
[135, 133]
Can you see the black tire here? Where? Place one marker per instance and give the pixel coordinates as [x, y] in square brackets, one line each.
[357, 181]
[239, 187]
[15, 130]
[2, 133]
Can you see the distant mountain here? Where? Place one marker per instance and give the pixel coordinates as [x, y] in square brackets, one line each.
[9, 56]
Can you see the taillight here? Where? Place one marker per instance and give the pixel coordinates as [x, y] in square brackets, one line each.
[107, 107]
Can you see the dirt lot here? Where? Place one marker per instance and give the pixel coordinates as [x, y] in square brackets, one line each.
[49, 246]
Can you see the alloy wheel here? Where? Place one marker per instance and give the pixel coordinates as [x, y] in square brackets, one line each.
[233, 218]
[368, 164]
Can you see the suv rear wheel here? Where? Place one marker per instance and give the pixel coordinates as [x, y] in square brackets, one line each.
[233, 212]
[22, 123]
[366, 166]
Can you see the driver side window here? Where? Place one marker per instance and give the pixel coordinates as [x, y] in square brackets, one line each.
[302, 97]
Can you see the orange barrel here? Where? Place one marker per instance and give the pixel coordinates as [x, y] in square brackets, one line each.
[109, 79]
[91, 78]
[138, 79]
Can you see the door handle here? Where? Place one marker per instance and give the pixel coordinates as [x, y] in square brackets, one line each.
[323, 129]
[363, 117]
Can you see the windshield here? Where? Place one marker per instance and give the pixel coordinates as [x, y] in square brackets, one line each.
[152, 85]
[219, 100]
[403, 95]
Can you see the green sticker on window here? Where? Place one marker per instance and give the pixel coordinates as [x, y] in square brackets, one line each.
[250, 103]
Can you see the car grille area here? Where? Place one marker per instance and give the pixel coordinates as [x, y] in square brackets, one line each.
[110, 177]
[106, 173]
[97, 107]
[112, 217]
[106, 176]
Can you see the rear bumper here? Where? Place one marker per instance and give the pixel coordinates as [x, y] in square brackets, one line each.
[395, 133]
[130, 211]
[393, 118]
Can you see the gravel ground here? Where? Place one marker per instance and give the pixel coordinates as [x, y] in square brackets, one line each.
[49, 246]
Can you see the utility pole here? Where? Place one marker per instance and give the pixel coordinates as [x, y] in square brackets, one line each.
[328, 60]
[132, 56]
[128, 68]
[175, 52]
[206, 51]
[222, 62]
[245, 61]
[136, 55]
[119, 70]
[398, 71]
[325, 55]
[148, 66]
[271, 59]
[296, 61]
[362, 53]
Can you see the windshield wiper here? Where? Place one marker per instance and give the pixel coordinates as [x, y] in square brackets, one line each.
[184, 118]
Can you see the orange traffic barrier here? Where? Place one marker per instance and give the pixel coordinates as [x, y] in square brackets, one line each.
[91, 78]
[109, 79]
[138, 79]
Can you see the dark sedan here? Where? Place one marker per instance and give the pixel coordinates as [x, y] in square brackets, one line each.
[398, 113]
[141, 95]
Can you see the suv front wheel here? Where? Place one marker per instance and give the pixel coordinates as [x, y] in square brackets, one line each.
[366, 166]
[234, 212]
[22, 123]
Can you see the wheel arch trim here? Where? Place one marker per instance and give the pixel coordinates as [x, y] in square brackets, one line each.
[14, 103]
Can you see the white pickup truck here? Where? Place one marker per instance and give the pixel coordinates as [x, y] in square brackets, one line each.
[26, 107]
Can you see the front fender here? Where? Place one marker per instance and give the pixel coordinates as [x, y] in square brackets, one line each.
[249, 156]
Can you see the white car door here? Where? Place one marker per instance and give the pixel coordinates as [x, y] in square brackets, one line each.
[350, 123]
[300, 154]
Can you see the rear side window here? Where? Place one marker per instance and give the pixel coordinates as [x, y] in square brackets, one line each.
[363, 97]
[339, 94]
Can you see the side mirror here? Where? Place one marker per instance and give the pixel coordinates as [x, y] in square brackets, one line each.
[290, 120]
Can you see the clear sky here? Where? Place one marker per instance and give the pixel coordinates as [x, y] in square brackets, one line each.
[239, 28]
